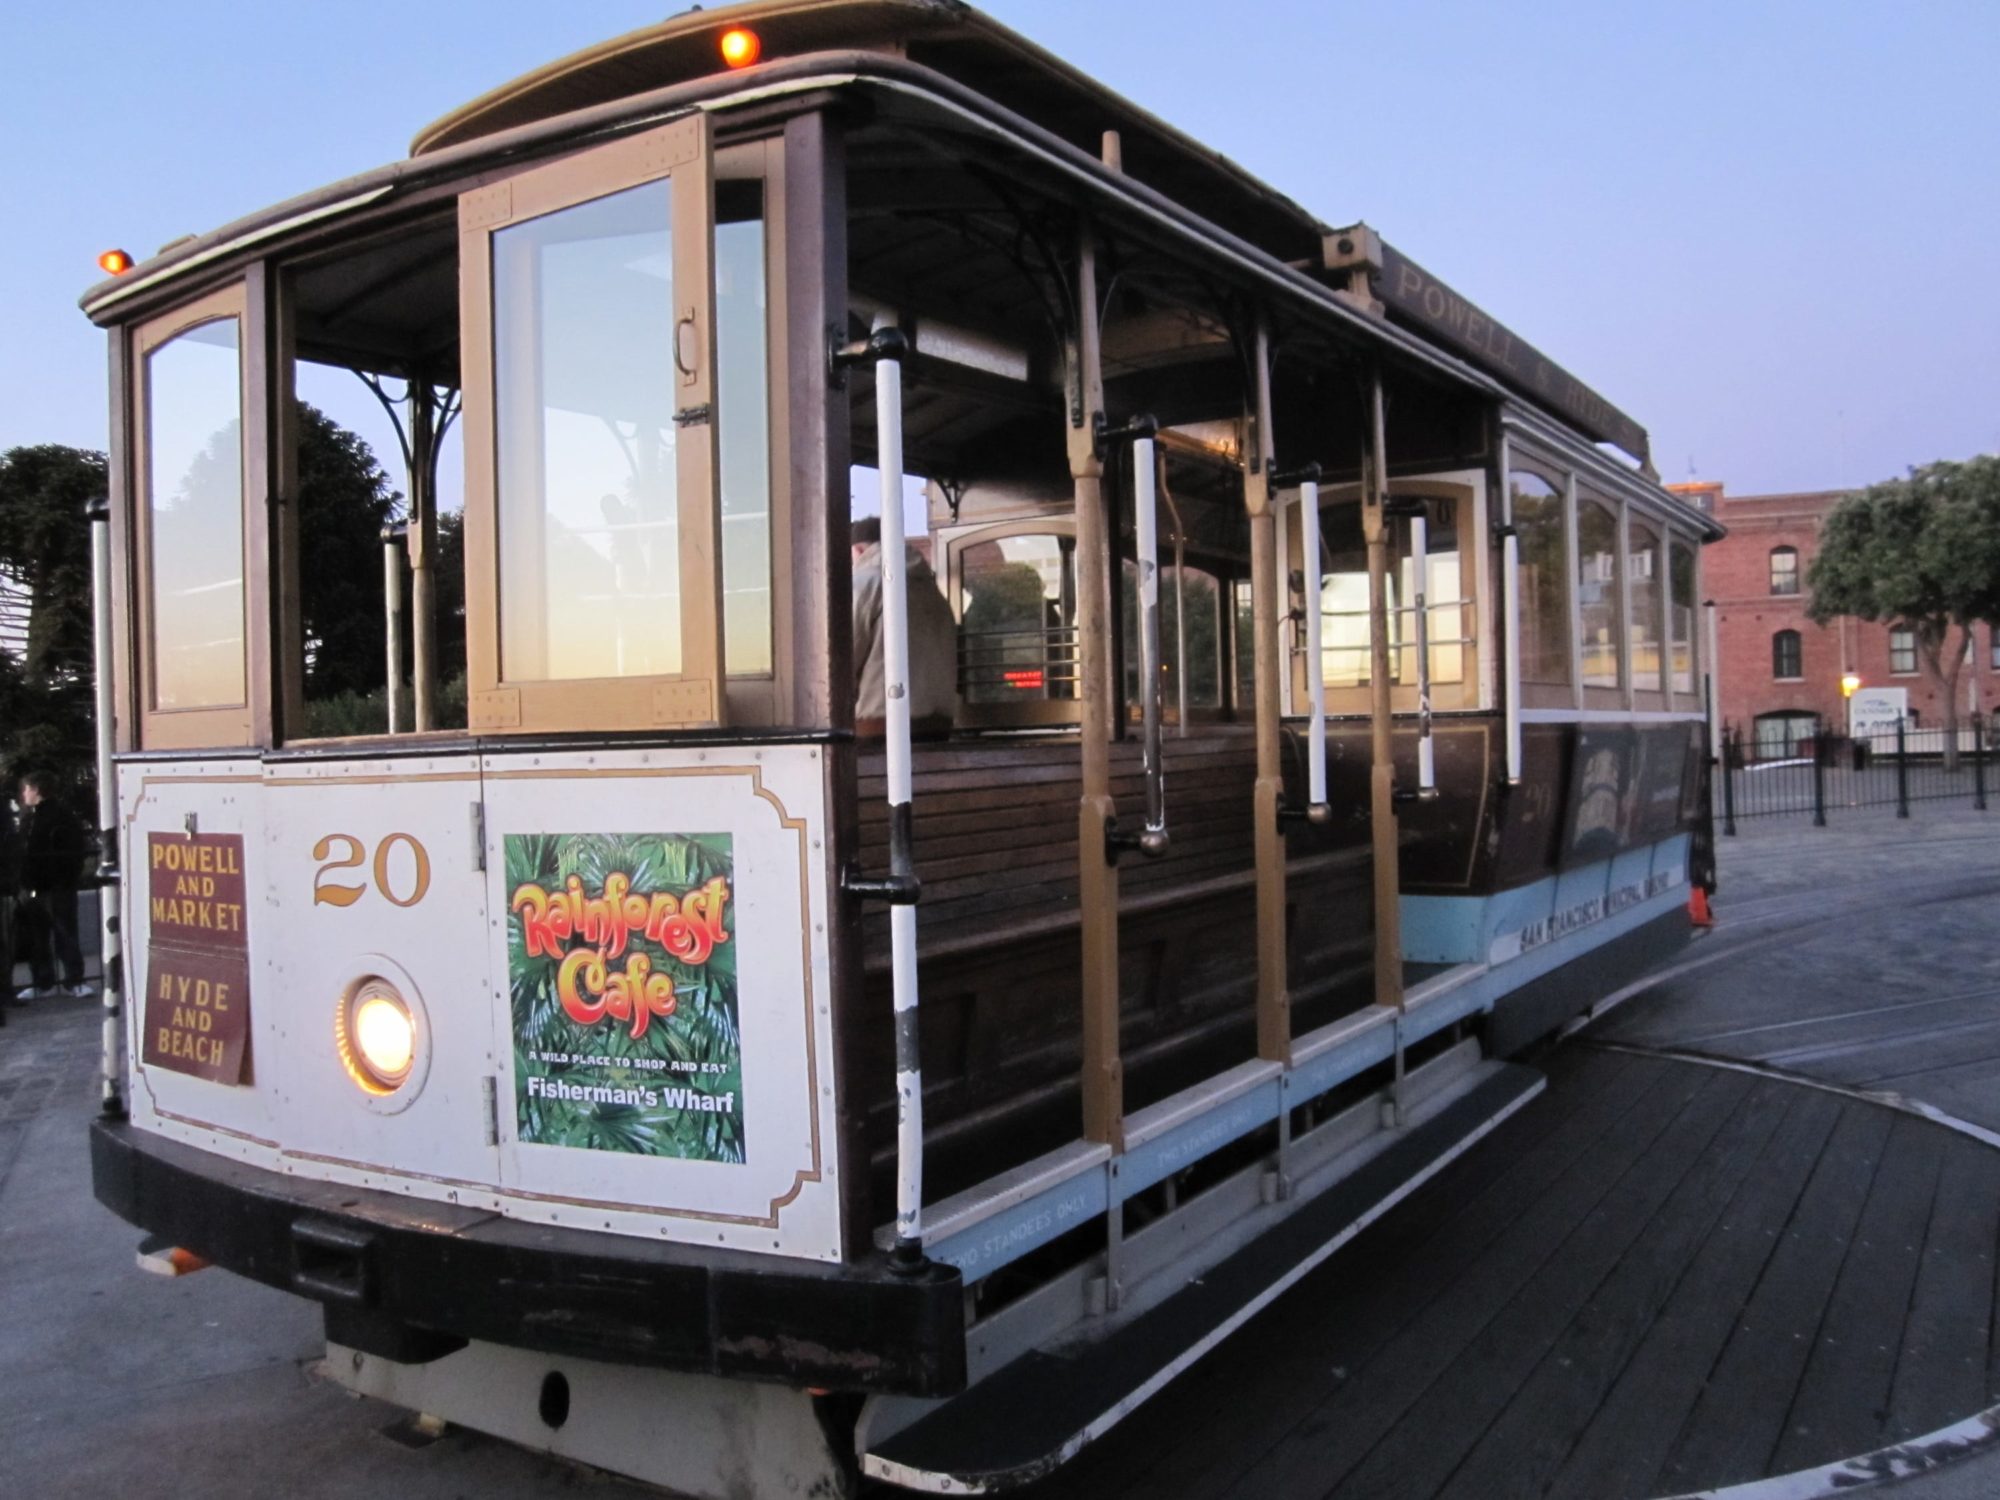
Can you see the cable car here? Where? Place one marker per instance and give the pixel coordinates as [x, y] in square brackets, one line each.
[639, 1051]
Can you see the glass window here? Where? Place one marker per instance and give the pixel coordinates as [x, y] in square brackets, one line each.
[1244, 641]
[1204, 637]
[1017, 619]
[1784, 570]
[1597, 592]
[1787, 655]
[583, 315]
[743, 427]
[1643, 558]
[1538, 525]
[1680, 615]
[1344, 645]
[1993, 649]
[1902, 650]
[194, 497]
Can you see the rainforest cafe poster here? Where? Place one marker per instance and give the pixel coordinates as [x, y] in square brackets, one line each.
[621, 961]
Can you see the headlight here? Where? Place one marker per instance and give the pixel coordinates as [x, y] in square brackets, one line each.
[377, 1034]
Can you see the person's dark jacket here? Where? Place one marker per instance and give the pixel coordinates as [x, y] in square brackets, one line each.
[10, 853]
[52, 848]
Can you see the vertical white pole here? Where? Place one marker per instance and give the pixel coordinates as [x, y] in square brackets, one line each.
[1315, 659]
[902, 916]
[111, 960]
[1510, 575]
[392, 633]
[1420, 565]
[1146, 555]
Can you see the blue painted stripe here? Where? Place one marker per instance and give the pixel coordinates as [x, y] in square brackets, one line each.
[1029, 1225]
[1339, 1063]
[1188, 1143]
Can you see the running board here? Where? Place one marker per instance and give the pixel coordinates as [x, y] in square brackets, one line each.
[1025, 1420]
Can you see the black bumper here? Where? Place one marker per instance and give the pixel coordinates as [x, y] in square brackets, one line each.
[413, 1280]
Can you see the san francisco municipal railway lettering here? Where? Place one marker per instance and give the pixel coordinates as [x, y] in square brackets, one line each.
[197, 1018]
[621, 961]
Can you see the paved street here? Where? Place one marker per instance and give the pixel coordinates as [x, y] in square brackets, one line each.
[1860, 954]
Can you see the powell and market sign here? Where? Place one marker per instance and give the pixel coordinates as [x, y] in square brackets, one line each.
[1414, 294]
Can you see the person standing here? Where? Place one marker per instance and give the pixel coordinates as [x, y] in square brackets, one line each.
[10, 887]
[52, 848]
[933, 641]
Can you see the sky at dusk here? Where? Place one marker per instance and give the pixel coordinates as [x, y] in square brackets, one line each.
[1766, 230]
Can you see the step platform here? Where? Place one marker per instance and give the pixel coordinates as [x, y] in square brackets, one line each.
[1024, 1421]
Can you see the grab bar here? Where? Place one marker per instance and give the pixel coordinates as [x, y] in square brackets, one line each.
[1418, 514]
[1152, 839]
[884, 349]
[1307, 480]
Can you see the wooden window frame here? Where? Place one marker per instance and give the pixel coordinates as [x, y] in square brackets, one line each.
[1691, 695]
[1597, 695]
[1653, 696]
[1552, 694]
[1039, 713]
[695, 696]
[229, 725]
[1473, 691]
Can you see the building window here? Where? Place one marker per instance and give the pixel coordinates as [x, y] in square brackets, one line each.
[1784, 570]
[1993, 656]
[1902, 651]
[1787, 656]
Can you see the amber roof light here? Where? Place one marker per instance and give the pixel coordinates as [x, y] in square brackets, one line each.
[741, 47]
[114, 262]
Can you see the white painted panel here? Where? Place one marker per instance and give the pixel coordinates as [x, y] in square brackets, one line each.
[156, 799]
[372, 871]
[613, 1140]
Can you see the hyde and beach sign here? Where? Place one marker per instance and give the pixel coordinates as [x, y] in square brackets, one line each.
[197, 1013]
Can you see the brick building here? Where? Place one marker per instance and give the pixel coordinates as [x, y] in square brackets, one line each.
[1779, 669]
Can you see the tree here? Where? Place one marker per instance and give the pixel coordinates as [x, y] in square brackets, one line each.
[46, 698]
[1923, 552]
[344, 502]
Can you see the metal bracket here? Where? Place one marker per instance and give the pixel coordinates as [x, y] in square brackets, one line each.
[1319, 814]
[1151, 842]
[895, 890]
[694, 416]
[843, 356]
[1404, 507]
[1285, 479]
[1105, 437]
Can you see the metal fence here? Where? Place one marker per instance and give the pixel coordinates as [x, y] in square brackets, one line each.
[1824, 773]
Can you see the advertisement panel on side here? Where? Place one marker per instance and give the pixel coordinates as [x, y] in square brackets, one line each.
[621, 966]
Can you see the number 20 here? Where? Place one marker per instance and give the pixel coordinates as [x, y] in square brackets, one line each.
[332, 893]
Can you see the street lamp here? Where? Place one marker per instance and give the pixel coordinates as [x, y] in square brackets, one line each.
[1850, 684]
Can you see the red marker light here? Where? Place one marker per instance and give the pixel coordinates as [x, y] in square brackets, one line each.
[114, 262]
[741, 47]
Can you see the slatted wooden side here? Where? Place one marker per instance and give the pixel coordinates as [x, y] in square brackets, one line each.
[998, 933]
